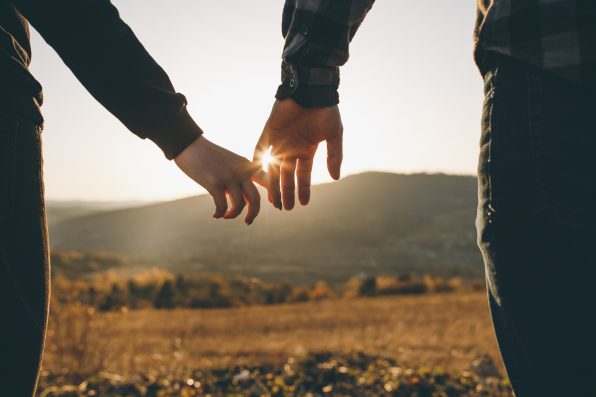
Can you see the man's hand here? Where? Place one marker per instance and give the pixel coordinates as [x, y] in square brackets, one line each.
[222, 172]
[293, 133]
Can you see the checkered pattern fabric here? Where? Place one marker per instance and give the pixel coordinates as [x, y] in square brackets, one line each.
[318, 34]
[558, 36]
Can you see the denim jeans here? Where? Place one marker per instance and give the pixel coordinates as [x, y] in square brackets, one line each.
[24, 264]
[536, 227]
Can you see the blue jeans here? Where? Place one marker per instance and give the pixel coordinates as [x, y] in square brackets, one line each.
[536, 227]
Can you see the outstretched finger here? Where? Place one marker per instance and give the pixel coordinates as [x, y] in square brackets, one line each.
[273, 185]
[259, 176]
[288, 186]
[261, 148]
[252, 196]
[303, 174]
[237, 199]
[334, 156]
[221, 203]
[267, 173]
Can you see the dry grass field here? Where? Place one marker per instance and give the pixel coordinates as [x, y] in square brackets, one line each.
[447, 330]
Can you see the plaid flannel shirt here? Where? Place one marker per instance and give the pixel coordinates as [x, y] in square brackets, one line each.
[558, 36]
[318, 34]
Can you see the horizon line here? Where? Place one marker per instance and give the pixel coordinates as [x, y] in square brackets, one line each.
[135, 202]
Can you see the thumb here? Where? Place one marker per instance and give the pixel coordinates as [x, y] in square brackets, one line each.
[334, 156]
[260, 177]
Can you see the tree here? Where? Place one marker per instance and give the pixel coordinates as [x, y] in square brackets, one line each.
[165, 296]
[114, 300]
[368, 287]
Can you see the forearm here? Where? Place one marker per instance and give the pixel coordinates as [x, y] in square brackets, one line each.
[115, 68]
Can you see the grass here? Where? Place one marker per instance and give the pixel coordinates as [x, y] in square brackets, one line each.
[447, 330]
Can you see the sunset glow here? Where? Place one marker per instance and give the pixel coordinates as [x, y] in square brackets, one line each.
[266, 159]
[394, 118]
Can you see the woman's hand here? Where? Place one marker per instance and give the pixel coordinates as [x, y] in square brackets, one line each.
[222, 172]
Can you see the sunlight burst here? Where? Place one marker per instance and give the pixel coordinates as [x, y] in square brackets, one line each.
[266, 159]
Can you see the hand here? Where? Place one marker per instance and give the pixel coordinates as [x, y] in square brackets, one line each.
[222, 172]
[293, 133]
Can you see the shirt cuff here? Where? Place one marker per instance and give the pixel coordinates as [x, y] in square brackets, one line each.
[176, 134]
[310, 87]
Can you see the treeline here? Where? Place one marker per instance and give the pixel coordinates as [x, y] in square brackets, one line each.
[162, 290]
[74, 264]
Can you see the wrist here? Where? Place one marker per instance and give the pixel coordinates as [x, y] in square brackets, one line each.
[309, 86]
[179, 133]
[313, 97]
[192, 150]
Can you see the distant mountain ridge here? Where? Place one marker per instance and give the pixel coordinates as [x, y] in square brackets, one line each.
[61, 210]
[377, 223]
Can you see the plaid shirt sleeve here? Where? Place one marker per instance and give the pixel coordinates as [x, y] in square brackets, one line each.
[558, 36]
[317, 37]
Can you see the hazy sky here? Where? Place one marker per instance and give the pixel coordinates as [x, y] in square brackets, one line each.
[410, 94]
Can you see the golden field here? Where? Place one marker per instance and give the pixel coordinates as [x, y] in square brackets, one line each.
[448, 330]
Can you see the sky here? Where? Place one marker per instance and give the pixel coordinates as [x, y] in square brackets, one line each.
[410, 95]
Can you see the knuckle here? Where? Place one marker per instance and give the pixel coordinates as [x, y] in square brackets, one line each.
[212, 180]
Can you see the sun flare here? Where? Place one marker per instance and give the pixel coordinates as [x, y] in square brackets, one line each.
[266, 159]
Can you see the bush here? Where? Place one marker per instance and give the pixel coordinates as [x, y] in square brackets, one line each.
[159, 289]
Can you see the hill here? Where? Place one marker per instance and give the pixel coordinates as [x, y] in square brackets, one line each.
[373, 223]
[59, 211]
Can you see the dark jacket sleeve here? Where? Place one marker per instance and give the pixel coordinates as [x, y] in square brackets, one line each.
[107, 58]
[317, 38]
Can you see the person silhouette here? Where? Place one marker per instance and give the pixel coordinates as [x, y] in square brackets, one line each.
[106, 57]
[536, 173]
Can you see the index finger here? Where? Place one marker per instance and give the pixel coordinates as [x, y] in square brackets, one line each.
[261, 146]
[253, 198]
